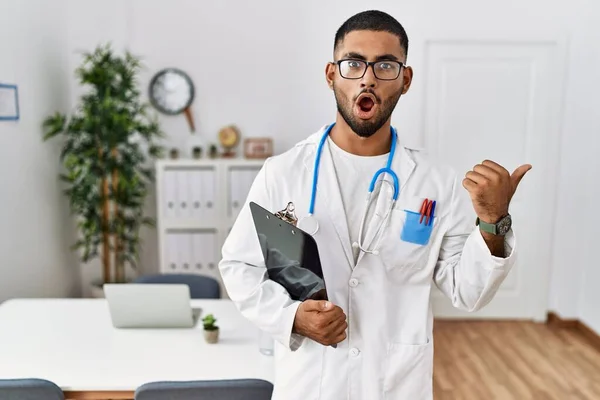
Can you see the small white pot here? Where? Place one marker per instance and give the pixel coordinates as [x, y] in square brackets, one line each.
[211, 336]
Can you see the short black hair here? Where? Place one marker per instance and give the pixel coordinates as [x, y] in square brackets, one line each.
[372, 20]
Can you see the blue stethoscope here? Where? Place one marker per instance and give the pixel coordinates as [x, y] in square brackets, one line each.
[310, 224]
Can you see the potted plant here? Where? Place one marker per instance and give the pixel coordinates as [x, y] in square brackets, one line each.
[213, 151]
[211, 331]
[106, 167]
[197, 152]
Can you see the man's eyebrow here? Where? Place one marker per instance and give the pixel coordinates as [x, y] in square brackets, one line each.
[387, 57]
[358, 56]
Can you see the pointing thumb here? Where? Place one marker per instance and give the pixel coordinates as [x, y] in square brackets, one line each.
[518, 174]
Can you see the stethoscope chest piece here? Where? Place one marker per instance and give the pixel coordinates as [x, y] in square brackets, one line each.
[309, 224]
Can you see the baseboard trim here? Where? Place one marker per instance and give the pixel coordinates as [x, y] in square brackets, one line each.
[557, 322]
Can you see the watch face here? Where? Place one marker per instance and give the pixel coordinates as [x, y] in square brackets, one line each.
[171, 91]
[504, 225]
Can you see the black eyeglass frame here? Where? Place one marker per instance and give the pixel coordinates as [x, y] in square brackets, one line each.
[372, 65]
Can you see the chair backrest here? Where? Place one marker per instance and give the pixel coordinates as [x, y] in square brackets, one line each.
[29, 389]
[201, 287]
[226, 389]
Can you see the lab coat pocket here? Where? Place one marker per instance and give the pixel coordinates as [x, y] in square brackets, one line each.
[407, 243]
[409, 371]
[417, 230]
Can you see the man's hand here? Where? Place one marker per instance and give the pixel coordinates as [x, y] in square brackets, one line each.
[491, 188]
[320, 321]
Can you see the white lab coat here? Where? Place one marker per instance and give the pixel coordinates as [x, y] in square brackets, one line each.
[388, 352]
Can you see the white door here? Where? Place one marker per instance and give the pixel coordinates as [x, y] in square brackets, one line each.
[494, 91]
[499, 100]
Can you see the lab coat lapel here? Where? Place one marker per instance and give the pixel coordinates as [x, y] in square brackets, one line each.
[403, 165]
[328, 201]
[328, 185]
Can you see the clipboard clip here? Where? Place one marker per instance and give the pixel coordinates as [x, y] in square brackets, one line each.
[287, 214]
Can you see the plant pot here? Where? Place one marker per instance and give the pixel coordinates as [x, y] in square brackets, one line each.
[213, 151]
[197, 152]
[211, 336]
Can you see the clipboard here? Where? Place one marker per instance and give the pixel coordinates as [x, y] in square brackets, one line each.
[291, 255]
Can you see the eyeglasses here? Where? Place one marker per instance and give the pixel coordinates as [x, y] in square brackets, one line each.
[355, 69]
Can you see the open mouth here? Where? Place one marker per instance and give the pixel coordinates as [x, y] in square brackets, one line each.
[365, 106]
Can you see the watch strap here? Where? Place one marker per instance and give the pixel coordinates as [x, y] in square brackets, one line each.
[486, 227]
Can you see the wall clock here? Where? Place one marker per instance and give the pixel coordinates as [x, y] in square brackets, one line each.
[172, 92]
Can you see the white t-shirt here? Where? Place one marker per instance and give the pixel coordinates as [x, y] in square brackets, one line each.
[354, 174]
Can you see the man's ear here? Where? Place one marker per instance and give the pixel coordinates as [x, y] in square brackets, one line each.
[330, 74]
[407, 76]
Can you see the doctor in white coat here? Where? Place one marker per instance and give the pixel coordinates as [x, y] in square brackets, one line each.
[378, 280]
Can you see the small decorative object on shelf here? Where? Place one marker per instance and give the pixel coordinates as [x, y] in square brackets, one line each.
[258, 147]
[211, 331]
[229, 137]
[174, 153]
[197, 152]
[213, 151]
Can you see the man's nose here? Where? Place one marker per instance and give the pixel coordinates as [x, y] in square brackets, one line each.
[368, 79]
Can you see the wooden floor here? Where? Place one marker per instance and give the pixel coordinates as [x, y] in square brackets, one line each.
[513, 360]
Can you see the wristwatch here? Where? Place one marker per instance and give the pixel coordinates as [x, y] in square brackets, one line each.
[499, 228]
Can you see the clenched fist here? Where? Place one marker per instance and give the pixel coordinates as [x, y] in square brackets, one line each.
[320, 321]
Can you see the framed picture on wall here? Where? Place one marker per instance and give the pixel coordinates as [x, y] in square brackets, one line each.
[258, 147]
[9, 102]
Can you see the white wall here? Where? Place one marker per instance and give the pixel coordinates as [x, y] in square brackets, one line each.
[575, 269]
[35, 236]
[589, 299]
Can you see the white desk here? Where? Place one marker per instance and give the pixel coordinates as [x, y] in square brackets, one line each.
[73, 343]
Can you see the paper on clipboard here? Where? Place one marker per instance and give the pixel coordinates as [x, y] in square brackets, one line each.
[291, 256]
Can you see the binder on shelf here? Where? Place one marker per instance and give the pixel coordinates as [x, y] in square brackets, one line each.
[198, 252]
[235, 190]
[183, 190]
[172, 252]
[196, 193]
[208, 181]
[170, 193]
[184, 243]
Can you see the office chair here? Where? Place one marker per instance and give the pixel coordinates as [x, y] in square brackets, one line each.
[227, 389]
[201, 287]
[29, 389]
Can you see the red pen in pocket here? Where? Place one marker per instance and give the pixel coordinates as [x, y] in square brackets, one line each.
[426, 210]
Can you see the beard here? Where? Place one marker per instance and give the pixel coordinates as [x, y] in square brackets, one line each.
[361, 127]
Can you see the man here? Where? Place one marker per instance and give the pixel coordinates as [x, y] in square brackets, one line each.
[378, 281]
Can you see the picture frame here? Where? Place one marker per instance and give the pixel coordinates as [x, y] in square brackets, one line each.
[258, 148]
[9, 102]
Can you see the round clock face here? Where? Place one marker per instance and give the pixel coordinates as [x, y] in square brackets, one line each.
[171, 91]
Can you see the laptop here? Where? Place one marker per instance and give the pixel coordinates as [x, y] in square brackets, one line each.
[148, 305]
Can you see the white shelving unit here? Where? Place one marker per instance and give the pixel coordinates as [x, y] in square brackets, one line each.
[197, 203]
